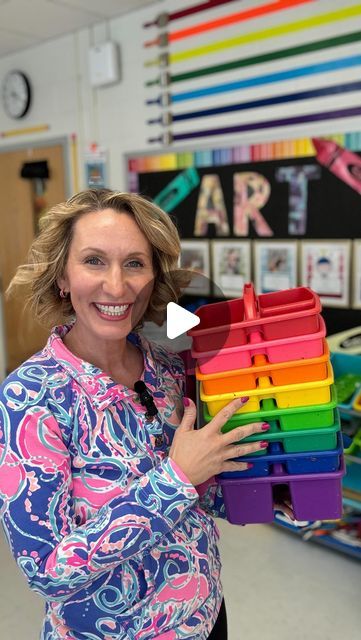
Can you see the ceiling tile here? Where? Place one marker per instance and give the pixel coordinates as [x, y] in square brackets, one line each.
[43, 18]
[11, 42]
[24, 23]
[107, 8]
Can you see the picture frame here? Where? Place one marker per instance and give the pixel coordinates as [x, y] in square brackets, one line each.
[325, 268]
[275, 265]
[95, 174]
[356, 280]
[231, 266]
[95, 166]
[195, 257]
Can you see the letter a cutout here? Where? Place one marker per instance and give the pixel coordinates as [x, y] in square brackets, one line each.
[211, 208]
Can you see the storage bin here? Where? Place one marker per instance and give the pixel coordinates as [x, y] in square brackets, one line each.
[282, 373]
[307, 418]
[356, 406]
[313, 496]
[355, 445]
[299, 347]
[346, 386]
[285, 396]
[351, 417]
[277, 315]
[301, 462]
[344, 364]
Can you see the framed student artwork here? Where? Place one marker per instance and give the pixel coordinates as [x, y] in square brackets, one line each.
[275, 265]
[325, 268]
[231, 266]
[356, 287]
[195, 257]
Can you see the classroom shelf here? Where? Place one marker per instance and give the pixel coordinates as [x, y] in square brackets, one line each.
[351, 482]
[325, 540]
[353, 504]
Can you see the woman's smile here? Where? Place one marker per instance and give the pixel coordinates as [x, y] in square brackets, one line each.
[113, 311]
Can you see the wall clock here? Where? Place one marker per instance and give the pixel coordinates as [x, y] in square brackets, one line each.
[16, 94]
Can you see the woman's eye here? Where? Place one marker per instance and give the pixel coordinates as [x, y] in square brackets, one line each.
[93, 260]
[135, 264]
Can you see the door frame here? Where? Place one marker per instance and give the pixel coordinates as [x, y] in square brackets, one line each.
[49, 142]
[64, 142]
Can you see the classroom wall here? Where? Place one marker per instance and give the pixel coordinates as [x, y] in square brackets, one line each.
[115, 116]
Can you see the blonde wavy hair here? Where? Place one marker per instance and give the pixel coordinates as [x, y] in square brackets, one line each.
[49, 252]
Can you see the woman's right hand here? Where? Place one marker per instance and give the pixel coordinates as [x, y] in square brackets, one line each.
[203, 453]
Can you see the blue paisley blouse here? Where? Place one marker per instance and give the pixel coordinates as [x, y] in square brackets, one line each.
[102, 523]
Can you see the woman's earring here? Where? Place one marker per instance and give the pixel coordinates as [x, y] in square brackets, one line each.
[63, 293]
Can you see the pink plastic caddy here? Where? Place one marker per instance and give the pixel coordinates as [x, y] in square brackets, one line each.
[283, 326]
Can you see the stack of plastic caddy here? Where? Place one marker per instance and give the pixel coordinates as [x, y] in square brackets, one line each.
[272, 348]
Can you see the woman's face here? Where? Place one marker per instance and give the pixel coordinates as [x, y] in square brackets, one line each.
[109, 274]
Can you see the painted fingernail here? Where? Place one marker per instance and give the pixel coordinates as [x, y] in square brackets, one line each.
[244, 399]
[186, 402]
[263, 444]
[265, 426]
[249, 465]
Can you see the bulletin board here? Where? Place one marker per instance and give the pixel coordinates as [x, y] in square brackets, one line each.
[298, 190]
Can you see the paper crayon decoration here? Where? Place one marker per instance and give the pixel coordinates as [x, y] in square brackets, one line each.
[168, 137]
[165, 78]
[337, 64]
[177, 190]
[163, 18]
[167, 117]
[24, 131]
[285, 29]
[233, 18]
[344, 164]
[166, 98]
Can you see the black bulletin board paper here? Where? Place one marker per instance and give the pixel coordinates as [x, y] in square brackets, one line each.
[333, 207]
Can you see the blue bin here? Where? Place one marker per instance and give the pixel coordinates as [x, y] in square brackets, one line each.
[294, 463]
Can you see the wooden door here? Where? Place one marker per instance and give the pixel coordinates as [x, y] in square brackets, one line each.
[23, 335]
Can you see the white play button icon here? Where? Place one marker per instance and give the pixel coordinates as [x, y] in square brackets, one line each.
[179, 320]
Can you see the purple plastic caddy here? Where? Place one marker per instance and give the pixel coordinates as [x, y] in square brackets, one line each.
[316, 496]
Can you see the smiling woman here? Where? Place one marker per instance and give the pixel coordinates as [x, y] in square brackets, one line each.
[109, 276]
[99, 461]
[108, 260]
[49, 252]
